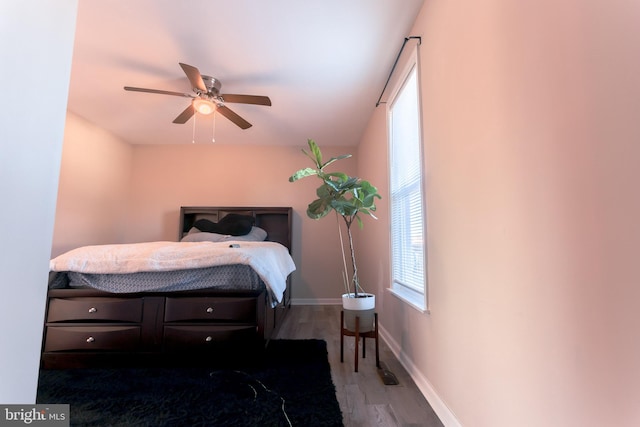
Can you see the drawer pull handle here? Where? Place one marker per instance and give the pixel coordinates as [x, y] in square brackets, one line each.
[209, 338]
[93, 310]
[209, 309]
[90, 339]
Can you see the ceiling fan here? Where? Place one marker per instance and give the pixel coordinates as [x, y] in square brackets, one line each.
[207, 98]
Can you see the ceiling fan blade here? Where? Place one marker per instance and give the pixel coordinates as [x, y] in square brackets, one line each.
[246, 99]
[161, 92]
[185, 115]
[242, 123]
[193, 74]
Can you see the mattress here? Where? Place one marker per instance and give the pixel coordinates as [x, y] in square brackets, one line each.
[225, 277]
[170, 266]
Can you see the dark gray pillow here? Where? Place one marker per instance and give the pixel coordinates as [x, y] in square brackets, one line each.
[232, 224]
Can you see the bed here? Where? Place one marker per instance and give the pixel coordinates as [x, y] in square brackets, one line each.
[223, 286]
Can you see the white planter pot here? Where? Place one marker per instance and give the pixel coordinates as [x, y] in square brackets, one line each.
[364, 301]
[362, 307]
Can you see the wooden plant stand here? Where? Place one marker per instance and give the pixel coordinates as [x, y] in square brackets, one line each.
[357, 334]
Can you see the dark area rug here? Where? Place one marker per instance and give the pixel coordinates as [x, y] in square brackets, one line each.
[289, 384]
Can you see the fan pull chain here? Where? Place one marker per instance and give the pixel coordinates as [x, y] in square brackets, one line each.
[213, 130]
[193, 137]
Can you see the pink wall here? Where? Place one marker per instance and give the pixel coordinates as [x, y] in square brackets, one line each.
[112, 192]
[93, 190]
[531, 138]
[169, 176]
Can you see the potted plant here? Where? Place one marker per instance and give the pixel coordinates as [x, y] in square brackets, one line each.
[349, 197]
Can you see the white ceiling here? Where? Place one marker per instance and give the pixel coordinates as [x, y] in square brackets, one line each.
[323, 63]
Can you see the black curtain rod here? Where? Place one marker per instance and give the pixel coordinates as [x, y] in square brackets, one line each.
[406, 39]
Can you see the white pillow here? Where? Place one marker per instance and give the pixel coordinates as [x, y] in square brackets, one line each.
[256, 234]
[203, 237]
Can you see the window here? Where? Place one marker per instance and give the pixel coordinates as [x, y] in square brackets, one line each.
[408, 263]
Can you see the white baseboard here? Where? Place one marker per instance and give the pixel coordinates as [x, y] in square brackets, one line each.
[439, 406]
[316, 301]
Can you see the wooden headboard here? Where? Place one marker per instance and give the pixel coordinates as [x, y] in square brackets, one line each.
[276, 221]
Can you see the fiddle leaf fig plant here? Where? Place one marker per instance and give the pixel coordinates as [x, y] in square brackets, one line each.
[349, 197]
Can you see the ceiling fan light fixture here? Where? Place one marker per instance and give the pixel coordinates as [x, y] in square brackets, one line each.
[207, 98]
[204, 106]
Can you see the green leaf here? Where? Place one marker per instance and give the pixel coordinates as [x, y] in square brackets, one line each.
[324, 191]
[345, 207]
[341, 176]
[319, 208]
[317, 154]
[302, 173]
[335, 159]
[348, 183]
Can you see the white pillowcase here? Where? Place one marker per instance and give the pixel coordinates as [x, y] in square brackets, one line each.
[256, 234]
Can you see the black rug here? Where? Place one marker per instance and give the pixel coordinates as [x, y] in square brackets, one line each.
[289, 386]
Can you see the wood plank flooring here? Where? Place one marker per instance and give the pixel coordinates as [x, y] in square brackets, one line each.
[364, 399]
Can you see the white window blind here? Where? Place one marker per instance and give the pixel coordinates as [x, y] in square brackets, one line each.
[406, 195]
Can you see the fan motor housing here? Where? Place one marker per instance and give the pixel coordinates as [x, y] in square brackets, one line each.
[212, 84]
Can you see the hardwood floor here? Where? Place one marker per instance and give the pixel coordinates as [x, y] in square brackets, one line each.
[364, 399]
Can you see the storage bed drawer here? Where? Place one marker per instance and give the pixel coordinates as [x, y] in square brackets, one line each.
[210, 309]
[176, 338]
[91, 309]
[92, 338]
